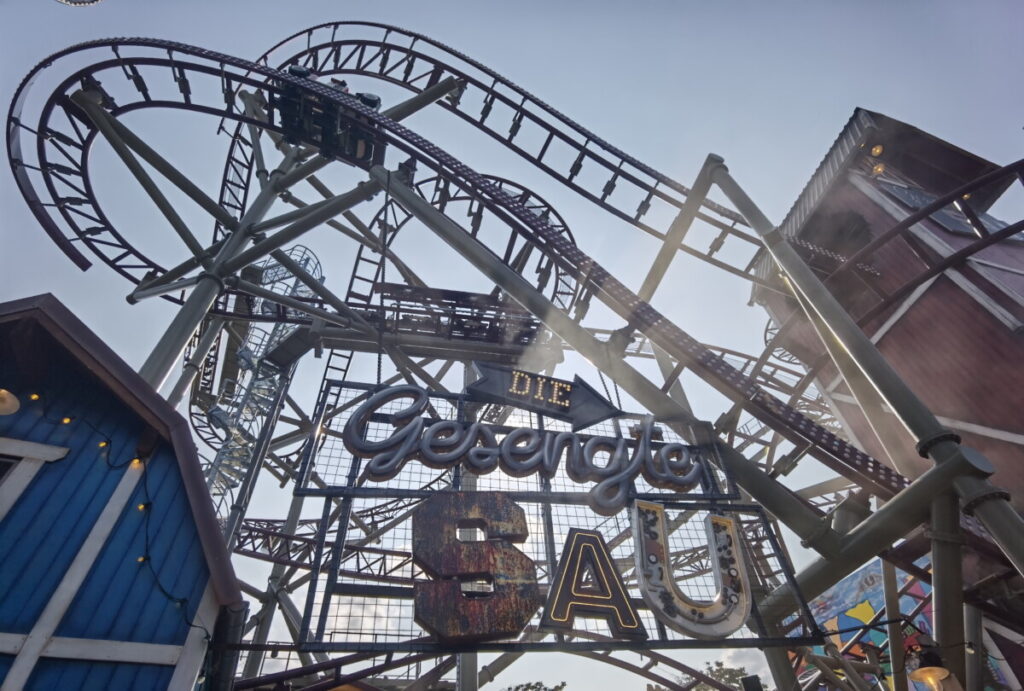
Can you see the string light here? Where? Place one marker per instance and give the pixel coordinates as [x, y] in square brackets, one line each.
[143, 507]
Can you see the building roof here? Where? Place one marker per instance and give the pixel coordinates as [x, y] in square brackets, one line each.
[96, 356]
[933, 163]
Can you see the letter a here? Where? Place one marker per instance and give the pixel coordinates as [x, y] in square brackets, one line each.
[587, 584]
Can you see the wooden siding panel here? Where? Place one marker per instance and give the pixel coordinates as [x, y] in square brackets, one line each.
[47, 526]
[959, 359]
[101, 597]
[121, 600]
[83, 675]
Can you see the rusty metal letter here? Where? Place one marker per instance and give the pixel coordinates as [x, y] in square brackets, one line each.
[484, 590]
[709, 620]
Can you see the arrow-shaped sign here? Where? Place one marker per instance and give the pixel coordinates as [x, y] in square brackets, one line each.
[574, 401]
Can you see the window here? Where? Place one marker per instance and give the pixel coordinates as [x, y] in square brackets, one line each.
[950, 218]
[19, 463]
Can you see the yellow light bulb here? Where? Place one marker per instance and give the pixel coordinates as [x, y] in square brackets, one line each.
[878, 169]
[142, 507]
[33, 397]
[877, 150]
[136, 462]
[66, 420]
[102, 444]
[141, 559]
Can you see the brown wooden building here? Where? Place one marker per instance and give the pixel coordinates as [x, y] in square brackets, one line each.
[943, 301]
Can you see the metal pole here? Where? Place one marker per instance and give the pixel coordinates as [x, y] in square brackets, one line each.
[974, 673]
[259, 452]
[466, 671]
[316, 215]
[947, 582]
[894, 629]
[781, 669]
[90, 103]
[265, 616]
[990, 504]
[191, 368]
[677, 231]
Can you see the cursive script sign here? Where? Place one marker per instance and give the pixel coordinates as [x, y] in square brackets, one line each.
[612, 463]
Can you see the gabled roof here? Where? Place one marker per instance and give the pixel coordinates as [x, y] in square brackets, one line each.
[96, 356]
[930, 161]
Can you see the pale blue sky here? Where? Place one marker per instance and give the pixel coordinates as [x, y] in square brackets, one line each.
[767, 85]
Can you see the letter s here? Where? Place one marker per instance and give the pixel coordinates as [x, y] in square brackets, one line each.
[443, 608]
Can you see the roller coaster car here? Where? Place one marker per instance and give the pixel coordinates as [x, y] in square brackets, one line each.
[341, 133]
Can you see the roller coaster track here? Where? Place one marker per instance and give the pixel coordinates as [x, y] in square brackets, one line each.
[414, 61]
[411, 68]
[232, 73]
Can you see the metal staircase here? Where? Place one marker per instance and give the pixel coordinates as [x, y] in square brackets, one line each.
[244, 404]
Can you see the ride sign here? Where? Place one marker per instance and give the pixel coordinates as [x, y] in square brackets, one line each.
[485, 559]
[447, 443]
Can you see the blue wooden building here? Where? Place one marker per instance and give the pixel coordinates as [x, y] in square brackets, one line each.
[113, 572]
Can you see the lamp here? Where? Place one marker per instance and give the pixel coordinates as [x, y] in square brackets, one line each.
[931, 676]
[9, 403]
[929, 668]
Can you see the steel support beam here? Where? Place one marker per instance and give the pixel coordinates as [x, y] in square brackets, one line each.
[974, 672]
[947, 581]
[772, 495]
[315, 216]
[265, 616]
[781, 669]
[891, 522]
[894, 629]
[191, 368]
[173, 175]
[159, 289]
[259, 452]
[90, 103]
[680, 226]
[167, 352]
